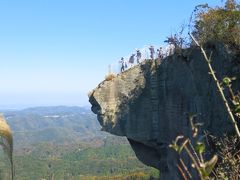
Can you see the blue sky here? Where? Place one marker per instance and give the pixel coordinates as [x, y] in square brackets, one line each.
[53, 52]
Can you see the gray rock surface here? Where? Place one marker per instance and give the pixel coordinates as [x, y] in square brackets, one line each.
[150, 103]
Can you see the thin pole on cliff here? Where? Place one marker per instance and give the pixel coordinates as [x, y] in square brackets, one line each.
[212, 73]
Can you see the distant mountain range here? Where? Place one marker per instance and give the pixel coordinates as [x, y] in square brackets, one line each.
[67, 142]
[58, 124]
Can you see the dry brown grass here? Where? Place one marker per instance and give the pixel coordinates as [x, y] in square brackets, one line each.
[229, 165]
[110, 77]
[90, 93]
[6, 140]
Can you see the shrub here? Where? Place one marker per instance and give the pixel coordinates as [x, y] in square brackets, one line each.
[6, 142]
[229, 165]
[110, 76]
[218, 24]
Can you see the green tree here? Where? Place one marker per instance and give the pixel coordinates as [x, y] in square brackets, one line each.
[218, 24]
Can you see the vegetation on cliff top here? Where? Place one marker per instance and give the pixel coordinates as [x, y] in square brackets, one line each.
[217, 24]
[220, 24]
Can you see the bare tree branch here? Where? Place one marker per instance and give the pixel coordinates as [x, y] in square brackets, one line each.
[212, 73]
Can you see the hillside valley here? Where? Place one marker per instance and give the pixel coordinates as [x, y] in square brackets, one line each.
[67, 143]
[59, 125]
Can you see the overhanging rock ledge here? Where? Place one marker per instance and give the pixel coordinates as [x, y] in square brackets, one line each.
[150, 103]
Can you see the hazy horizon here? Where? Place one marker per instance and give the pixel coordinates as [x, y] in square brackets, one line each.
[35, 100]
[55, 52]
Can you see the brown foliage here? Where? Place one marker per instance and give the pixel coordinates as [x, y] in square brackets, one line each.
[229, 165]
[110, 76]
[218, 24]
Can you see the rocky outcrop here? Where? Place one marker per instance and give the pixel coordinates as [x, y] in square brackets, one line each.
[150, 103]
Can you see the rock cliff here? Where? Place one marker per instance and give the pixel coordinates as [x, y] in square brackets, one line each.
[150, 103]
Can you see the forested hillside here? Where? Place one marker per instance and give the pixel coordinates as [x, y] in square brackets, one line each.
[66, 143]
[52, 124]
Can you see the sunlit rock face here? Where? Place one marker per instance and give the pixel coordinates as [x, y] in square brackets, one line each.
[151, 102]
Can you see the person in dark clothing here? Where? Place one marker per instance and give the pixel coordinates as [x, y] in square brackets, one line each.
[126, 66]
[152, 52]
[160, 53]
[131, 59]
[122, 64]
[139, 55]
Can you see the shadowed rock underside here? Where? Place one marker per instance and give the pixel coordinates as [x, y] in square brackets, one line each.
[150, 103]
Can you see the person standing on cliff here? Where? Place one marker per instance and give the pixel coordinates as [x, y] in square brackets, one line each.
[139, 55]
[152, 52]
[122, 64]
[126, 66]
[131, 59]
[160, 53]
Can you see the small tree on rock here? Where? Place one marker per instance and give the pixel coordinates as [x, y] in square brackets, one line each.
[218, 24]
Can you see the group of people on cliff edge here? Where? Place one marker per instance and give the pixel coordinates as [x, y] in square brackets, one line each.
[138, 56]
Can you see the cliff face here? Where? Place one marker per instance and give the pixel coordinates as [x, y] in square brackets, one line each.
[150, 103]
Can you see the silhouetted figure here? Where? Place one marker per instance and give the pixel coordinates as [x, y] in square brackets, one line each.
[126, 66]
[122, 64]
[152, 52]
[131, 59]
[139, 55]
[160, 53]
